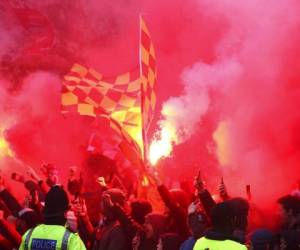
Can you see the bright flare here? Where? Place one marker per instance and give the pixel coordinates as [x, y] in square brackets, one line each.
[221, 137]
[162, 145]
[4, 146]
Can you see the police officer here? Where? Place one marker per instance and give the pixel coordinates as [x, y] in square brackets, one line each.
[221, 237]
[53, 234]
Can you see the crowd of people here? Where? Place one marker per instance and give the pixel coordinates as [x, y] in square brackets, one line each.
[52, 216]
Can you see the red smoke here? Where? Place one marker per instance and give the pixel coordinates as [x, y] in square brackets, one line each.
[242, 55]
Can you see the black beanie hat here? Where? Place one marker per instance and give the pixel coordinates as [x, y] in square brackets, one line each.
[56, 202]
[261, 239]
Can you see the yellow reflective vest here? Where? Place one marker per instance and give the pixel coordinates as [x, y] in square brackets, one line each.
[51, 237]
[207, 244]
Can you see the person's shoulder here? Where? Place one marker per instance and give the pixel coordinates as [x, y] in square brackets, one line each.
[230, 244]
[236, 245]
[199, 242]
[30, 230]
[75, 240]
[188, 243]
[201, 239]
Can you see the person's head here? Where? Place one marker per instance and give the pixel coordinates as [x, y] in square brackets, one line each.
[27, 219]
[289, 240]
[240, 209]
[139, 209]
[169, 241]
[289, 208]
[51, 174]
[180, 197]
[117, 197]
[197, 223]
[74, 186]
[222, 218]
[56, 205]
[155, 224]
[262, 239]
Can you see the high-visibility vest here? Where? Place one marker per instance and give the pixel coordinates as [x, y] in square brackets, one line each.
[51, 237]
[207, 244]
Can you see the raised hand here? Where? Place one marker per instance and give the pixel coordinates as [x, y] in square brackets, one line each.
[107, 202]
[222, 190]
[101, 182]
[71, 223]
[199, 184]
[79, 207]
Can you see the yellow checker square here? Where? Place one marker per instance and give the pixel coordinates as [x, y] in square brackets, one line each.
[134, 86]
[153, 100]
[127, 101]
[69, 78]
[123, 79]
[145, 56]
[119, 115]
[144, 81]
[145, 85]
[107, 103]
[96, 74]
[126, 135]
[79, 69]
[152, 51]
[135, 109]
[151, 77]
[133, 118]
[144, 27]
[86, 109]
[101, 90]
[146, 104]
[69, 99]
[105, 85]
[145, 118]
[135, 133]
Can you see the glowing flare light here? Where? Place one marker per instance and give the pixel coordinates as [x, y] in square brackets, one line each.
[4, 146]
[222, 139]
[162, 145]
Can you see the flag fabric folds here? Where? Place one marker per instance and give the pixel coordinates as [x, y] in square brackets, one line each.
[119, 140]
[87, 92]
[148, 74]
[128, 99]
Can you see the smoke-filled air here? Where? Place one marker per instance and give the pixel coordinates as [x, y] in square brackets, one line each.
[227, 89]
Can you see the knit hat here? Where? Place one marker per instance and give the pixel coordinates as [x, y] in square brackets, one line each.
[159, 223]
[30, 217]
[139, 209]
[261, 239]
[56, 202]
[180, 197]
[197, 223]
[116, 195]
